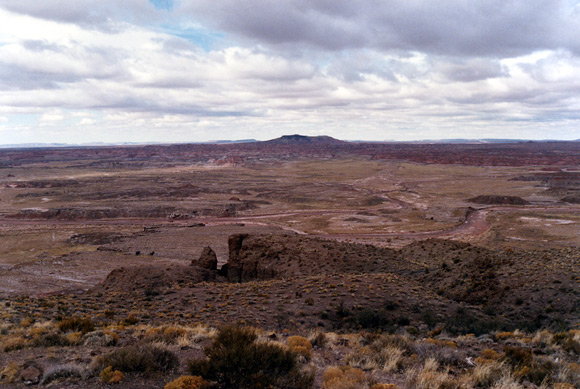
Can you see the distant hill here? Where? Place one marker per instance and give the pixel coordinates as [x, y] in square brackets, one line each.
[233, 141]
[305, 140]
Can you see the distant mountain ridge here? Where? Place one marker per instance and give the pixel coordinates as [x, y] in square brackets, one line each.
[321, 140]
[305, 140]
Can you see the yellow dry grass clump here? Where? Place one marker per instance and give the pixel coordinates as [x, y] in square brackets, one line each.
[430, 376]
[187, 382]
[343, 377]
[300, 346]
[10, 373]
[109, 376]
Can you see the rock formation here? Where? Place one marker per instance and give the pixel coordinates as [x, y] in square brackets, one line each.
[207, 259]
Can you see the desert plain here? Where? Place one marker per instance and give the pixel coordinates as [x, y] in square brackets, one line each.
[404, 264]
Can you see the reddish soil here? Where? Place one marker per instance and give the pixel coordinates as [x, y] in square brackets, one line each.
[136, 157]
[271, 278]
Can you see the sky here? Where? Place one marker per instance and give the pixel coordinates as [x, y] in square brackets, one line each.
[80, 71]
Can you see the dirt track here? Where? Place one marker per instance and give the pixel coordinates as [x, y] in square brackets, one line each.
[475, 223]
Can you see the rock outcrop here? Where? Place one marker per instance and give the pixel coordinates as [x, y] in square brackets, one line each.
[155, 278]
[207, 259]
[262, 257]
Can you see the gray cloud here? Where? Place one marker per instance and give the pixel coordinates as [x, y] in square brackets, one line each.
[104, 14]
[334, 66]
[468, 70]
[449, 27]
[496, 28]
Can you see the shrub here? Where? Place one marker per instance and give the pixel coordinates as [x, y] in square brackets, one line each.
[371, 319]
[563, 385]
[430, 377]
[101, 339]
[518, 356]
[504, 335]
[110, 376]
[187, 382]
[540, 372]
[342, 310]
[393, 359]
[467, 322]
[130, 320]
[235, 359]
[74, 338]
[491, 354]
[10, 373]
[397, 341]
[331, 373]
[169, 335]
[14, 343]
[486, 374]
[364, 358]
[76, 324]
[62, 371]
[344, 377]
[317, 338]
[144, 358]
[571, 345]
[385, 352]
[507, 381]
[443, 355]
[569, 373]
[50, 340]
[300, 346]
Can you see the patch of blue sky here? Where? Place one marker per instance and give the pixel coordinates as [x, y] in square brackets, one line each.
[202, 38]
[20, 119]
[163, 4]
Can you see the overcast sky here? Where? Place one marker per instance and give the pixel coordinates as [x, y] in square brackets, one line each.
[78, 71]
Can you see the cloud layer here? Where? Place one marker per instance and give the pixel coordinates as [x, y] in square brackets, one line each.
[80, 71]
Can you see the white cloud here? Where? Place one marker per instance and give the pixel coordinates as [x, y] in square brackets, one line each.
[87, 122]
[349, 70]
[52, 117]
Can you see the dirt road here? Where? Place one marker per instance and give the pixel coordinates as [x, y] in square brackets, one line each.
[475, 222]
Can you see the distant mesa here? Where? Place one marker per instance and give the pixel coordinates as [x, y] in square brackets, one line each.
[305, 140]
[499, 200]
[572, 199]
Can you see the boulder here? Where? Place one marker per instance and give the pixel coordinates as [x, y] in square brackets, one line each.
[207, 259]
[31, 373]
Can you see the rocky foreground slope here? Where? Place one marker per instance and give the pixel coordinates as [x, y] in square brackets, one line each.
[270, 279]
[150, 323]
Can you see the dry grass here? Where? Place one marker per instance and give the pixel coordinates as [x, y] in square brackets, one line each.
[109, 376]
[10, 373]
[393, 359]
[433, 363]
[507, 381]
[431, 376]
[486, 374]
[187, 382]
[300, 346]
[345, 377]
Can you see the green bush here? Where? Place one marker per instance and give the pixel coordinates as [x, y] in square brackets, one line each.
[76, 324]
[518, 356]
[143, 358]
[236, 360]
[371, 319]
[50, 340]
